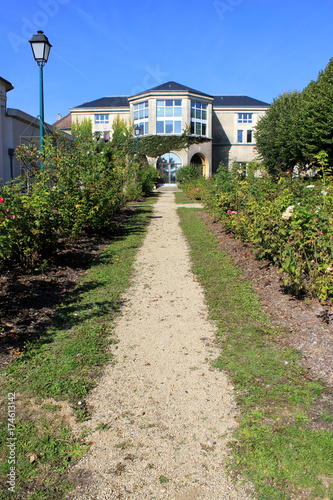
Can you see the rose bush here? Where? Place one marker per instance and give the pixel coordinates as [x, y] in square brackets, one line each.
[80, 188]
[287, 220]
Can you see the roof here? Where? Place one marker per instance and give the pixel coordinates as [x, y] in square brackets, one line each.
[220, 101]
[8, 85]
[107, 102]
[172, 87]
[17, 114]
[64, 122]
[239, 101]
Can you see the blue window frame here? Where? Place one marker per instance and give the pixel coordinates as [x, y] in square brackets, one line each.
[244, 117]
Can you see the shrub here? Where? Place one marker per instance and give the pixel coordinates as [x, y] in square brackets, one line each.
[149, 177]
[78, 189]
[288, 220]
[187, 173]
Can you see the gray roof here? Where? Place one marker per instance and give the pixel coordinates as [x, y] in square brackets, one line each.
[241, 101]
[107, 102]
[173, 87]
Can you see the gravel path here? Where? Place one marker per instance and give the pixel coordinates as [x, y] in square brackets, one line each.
[168, 415]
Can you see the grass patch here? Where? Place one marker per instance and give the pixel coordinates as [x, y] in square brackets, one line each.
[64, 365]
[151, 199]
[181, 198]
[277, 446]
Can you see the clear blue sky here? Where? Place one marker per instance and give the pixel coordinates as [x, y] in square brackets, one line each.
[260, 48]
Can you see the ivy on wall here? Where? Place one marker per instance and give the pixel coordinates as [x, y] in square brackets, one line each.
[157, 145]
[153, 146]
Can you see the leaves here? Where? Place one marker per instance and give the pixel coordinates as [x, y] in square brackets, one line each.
[298, 125]
[289, 222]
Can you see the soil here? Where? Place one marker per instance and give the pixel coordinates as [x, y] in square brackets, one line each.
[29, 298]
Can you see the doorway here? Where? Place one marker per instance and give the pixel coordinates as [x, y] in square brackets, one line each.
[167, 166]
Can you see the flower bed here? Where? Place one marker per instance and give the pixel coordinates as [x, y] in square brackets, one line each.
[287, 220]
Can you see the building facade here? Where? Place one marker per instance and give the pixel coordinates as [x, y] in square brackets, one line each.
[16, 127]
[227, 122]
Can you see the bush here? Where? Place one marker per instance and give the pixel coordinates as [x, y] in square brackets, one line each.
[29, 223]
[288, 221]
[77, 190]
[187, 173]
[149, 177]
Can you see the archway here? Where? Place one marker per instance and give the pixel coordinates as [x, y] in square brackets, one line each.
[167, 166]
[200, 161]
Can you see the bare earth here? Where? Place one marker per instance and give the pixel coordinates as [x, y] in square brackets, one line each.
[168, 415]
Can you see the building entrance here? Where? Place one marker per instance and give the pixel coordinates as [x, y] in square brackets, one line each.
[167, 166]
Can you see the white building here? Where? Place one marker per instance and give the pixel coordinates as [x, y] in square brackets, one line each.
[227, 121]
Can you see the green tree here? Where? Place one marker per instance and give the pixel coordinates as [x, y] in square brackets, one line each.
[277, 134]
[316, 128]
[82, 130]
[298, 126]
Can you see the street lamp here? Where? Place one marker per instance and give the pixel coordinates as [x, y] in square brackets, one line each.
[137, 133]
[41, 50]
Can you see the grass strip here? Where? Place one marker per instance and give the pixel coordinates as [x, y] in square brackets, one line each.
[180, 198]
[63, 365]
[278, 446]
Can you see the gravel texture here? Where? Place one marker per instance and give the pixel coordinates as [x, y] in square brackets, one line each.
[167, 416]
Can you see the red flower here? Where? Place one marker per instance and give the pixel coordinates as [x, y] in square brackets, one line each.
[2, 200]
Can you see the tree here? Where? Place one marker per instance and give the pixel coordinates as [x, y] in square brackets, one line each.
[277, 133]
[82, 131]
[316, 130]
[298, 126]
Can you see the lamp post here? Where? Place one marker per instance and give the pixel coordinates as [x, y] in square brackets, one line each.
[137, 133]
[41, 50]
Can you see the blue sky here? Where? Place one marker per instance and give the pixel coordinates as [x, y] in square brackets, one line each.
[259, 48]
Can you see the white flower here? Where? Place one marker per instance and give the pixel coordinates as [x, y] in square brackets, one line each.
[324, 193]
[288, 213]
[310, 186]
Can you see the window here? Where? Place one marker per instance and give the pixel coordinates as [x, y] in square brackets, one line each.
[239, 135]
[168, 116]
[249, 136]
[101, 118]
[244, 117]
[198, 118]
[141, 116]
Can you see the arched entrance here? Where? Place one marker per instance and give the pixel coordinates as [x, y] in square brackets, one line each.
[167, 166]
[200, 161]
